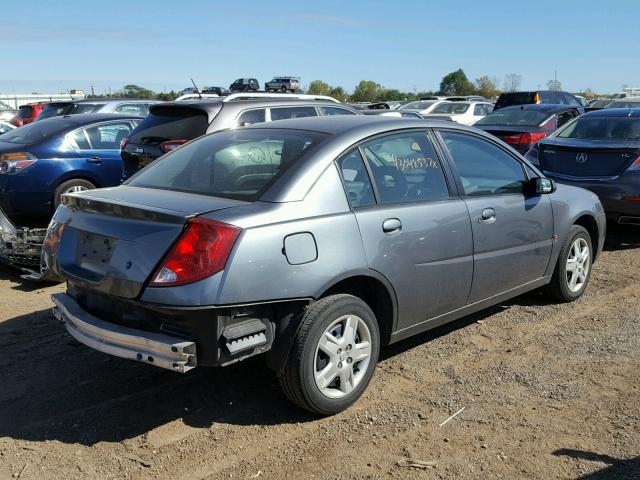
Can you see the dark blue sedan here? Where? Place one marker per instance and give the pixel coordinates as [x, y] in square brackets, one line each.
[44, 160]
[599, 151]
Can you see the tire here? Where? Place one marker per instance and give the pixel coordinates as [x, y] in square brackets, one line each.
[283, 89]
[561, 287]
[73, 185]
[300, 379]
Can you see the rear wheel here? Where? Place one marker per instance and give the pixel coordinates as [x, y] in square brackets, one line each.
[71, 186]
[333, 356]
[573, 268]
[283, 89]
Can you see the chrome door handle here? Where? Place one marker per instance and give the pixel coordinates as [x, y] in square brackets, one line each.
[391, 225]
[488, 216]
[94, 160]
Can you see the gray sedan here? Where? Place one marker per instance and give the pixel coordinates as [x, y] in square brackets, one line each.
[313, 242]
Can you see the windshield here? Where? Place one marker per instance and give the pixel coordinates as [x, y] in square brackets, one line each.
[451, 107]
[517, 116]
[603, 128]
[514, 98]
[624, 104]
[600, 103]
[233, 164]
[86, 107]
[417, 105]
[34, 132]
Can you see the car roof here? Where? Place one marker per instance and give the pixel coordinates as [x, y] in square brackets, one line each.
[89, 118]
[339, 124]
[543, 107]
[213, 104]
[614, 112]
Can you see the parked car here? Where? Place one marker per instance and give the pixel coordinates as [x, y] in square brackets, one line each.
[466, 113]
[283, 84]
[422, 107]
[509, 99]
[6, 127]
[44, 160]
[245, 85]
[122, 106]
[523, 125]
[7, 113]
[220, 91]
[629, 102]
[170, 125]
[599, 151]
[598, 104]
[28, 113]
[314, 241]
[583, 101]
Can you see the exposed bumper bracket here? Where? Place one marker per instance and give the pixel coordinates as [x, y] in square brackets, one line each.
[148, 347]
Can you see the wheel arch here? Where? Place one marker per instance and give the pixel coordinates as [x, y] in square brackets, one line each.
[589, 223]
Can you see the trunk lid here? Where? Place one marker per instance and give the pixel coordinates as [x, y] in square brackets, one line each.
[586, 158]
[112, 240]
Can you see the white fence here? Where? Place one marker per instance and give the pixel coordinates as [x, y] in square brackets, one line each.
[15, 100]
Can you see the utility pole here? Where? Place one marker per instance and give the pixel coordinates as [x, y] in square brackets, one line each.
[93, 94]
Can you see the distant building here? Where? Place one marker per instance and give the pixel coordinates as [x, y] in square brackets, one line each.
[15, 100]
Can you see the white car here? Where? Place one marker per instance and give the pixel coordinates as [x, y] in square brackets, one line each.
[466, 113]
[423, 107]
[5, 127]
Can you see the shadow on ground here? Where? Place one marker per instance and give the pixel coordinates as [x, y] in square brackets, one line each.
[622, 237]
[616, 469]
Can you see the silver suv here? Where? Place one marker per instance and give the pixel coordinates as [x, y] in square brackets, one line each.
[283, 84]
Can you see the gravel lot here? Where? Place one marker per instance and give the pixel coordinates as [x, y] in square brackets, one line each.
[549, 391]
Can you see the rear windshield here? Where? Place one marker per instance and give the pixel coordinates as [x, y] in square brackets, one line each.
[55, 110]
[86, 107]
[602, 128]
[509, 117]
[232, 164]
[34, 132]
[600, 104]
[515, 98]
[624, 104]
[453, 107]
[25, 111]
[171, 123]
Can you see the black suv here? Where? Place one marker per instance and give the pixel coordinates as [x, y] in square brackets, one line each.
[245, 85]
[540, 96]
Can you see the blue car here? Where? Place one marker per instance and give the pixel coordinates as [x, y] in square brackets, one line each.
[42, 161]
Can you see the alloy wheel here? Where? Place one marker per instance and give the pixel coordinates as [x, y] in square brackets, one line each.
[578, 264]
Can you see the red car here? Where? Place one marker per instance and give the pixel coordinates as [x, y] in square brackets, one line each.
[28, 113]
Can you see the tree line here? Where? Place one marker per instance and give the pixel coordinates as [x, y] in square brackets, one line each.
[452, 84]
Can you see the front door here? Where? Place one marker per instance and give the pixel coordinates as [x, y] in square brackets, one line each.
[414, 232]
[512, 228]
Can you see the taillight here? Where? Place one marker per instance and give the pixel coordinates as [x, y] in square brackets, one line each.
[522, 138]
[171, 145]
[631, 199]
[536, 98]
[635, 166]
[124, 142]
[11, 163]
[201, 251]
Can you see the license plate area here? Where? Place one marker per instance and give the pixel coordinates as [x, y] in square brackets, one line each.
[94, 250]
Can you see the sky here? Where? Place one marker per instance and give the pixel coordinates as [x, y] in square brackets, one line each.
[53, 46]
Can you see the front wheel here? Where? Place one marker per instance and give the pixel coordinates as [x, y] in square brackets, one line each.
[333, 356]
[573, 268]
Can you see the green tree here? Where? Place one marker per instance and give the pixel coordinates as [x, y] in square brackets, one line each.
[135, 91]
[339, 94]
[554, 85]
[318, 87]
[367, 91]
[487, 86]
[456, 83]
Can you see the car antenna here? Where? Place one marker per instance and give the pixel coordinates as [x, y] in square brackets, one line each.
[197, 89]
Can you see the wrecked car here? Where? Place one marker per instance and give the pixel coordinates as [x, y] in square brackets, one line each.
[314, 241]
[44, 160]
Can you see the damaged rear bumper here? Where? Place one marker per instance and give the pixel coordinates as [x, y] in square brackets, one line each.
[161, 350]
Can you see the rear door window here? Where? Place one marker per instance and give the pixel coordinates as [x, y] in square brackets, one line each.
[102, 137]
[249, 117]
[283, 113]
[356, 180]
[171, 123]
[484, 168]
[405, 168]
[335, 111]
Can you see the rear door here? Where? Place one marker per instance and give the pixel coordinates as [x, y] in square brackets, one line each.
[415, 232]
[99, 148]
[512, 230]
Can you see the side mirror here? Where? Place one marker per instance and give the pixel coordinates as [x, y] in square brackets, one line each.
[544, 185]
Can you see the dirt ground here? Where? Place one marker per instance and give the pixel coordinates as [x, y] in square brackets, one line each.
[549, 392]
